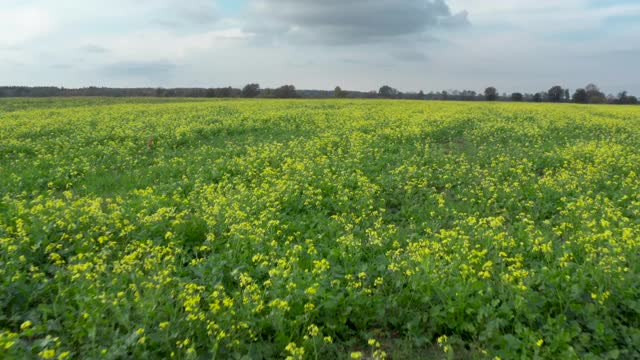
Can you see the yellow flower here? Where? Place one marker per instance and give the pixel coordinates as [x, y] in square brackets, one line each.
[313, 330]
[311, 291]
[295, 351]
[379, 355]
[356, 355]
[47, 354]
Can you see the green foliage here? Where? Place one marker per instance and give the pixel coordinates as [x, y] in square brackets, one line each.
[339, 93]
[556, 94]
[580, 96]
[285, 92]
[491, 94]
[387, 91]
[318, 229]
[251, 90]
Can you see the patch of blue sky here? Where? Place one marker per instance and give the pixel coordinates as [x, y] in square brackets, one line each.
[622, 21]
[231, 7]
[596, 4]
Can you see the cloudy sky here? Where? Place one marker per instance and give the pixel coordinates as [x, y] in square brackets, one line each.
[358, 44]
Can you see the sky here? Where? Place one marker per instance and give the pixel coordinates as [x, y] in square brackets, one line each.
[412, 45]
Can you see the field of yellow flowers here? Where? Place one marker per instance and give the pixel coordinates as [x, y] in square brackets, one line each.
[248, 229]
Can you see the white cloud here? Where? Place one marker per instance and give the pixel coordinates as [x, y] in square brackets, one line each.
[169, 46]
[23, 24]
[544, 16]
[515, 45]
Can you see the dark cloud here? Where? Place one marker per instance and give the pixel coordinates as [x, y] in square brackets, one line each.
[147, 70]
[457, 20]
[351, 21]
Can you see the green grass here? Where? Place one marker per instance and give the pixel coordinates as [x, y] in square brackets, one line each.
[146, 228]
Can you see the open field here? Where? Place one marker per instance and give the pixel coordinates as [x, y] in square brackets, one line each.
[318, 229]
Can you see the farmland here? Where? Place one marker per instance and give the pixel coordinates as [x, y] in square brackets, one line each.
[138, 228]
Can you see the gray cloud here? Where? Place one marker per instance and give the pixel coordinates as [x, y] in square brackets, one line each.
[145, 70]
[410, 55]
[351, 21]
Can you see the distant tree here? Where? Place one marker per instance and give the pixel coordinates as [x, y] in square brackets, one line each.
[372, 94]
[580, 96]
[491, 94]
[624, 99]
[555, 94]
[285, 92]
[192, 93]
[226, 92]
[517, 96]
[339, 93]
[251, 90]
[592, 88]
[210, 93]
[387, 91]
[567, 95]
[468, 95]
[266, 93]
[594, 95]
[421, 95]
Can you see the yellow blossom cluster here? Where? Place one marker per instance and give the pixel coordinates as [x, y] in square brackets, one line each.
[146, 228]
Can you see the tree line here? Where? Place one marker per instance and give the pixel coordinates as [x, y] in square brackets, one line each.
[590, 94]
[249, 91]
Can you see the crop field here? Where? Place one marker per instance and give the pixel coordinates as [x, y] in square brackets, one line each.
[328, 229]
